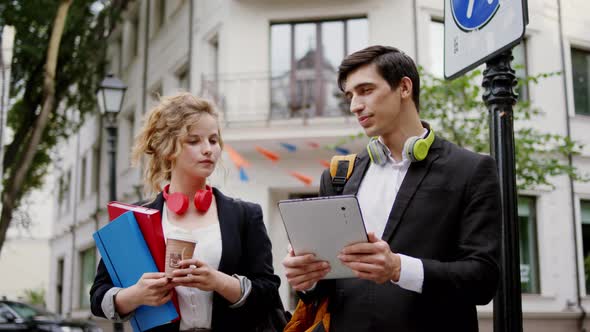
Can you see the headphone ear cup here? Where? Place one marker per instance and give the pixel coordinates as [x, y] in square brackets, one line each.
[420, 149]
[177, 202]
[409, 148]
[203, 199]
[376, 152]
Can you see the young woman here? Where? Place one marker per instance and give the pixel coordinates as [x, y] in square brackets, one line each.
[229, 284]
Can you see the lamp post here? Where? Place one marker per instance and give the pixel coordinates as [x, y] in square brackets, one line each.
[110, 99]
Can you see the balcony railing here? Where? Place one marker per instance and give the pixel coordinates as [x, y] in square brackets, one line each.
[260, 99]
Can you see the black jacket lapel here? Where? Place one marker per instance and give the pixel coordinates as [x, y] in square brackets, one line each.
[157, 203]
[409, 186]
[225, 213]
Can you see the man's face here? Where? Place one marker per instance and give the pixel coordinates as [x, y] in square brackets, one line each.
[374, 103]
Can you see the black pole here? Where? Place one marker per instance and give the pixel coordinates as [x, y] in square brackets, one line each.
[499, 81]
[112, 140]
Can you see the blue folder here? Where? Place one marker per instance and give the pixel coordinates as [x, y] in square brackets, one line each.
[127, 257]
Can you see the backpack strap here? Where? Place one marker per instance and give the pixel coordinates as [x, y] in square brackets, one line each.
[340, 169]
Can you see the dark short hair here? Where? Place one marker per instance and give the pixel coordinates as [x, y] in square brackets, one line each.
[392, 64]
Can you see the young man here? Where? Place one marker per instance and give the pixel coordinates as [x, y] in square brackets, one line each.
[432, 214]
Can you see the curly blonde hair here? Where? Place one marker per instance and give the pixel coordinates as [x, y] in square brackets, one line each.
[165, 128]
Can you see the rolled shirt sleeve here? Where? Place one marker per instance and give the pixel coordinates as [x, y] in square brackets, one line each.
[246, 287]
[108, 306]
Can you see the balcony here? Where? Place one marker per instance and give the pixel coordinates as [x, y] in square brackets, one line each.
[262, 100]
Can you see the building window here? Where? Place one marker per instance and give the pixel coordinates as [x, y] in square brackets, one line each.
[60, 190]
[67, 186]
[437, 47]
[83, 178]
[304, 63]
[585, 212]
[131, 126]
[95, 168]
[213, 81]
[581, 78]
[519, 63]
[159, 15]
[156, 92]
[135, 37]
[182, 78]
[63, 196]
[529, 266]
[127, 139]
[119, 50]
[59, 286]
[87, 272]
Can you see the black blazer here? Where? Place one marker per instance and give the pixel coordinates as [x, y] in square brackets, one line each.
[446, 213]
[246, 250]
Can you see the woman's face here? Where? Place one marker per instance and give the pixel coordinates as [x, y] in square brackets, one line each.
[200, 150]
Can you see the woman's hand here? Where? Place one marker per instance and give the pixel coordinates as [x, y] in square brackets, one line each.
[153, 289]
[197, 274]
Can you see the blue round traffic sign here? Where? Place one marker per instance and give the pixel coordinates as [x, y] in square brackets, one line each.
[473, 14]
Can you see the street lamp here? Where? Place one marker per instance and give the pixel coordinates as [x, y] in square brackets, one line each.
[110, 99]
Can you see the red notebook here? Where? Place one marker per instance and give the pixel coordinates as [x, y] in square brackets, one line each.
[150, 224]
[151, 227]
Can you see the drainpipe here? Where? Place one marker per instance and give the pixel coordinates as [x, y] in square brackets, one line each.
[415, 13]
[2, 104]
[74, 218]
[146, 41]
[97, 179]
[191, 6]
[571, 180]
[96, 189]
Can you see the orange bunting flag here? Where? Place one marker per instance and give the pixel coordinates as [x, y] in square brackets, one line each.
[268, 154]
[325, 163]
[314, 145]
[238, 160]
[301, 177]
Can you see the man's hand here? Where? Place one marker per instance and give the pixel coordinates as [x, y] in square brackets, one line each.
[304, 271]
[372, 261]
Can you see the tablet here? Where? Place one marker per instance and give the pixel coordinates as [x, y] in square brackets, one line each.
[323, 226]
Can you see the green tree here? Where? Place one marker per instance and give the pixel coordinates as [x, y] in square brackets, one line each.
[35, 297]
[54, 74]
[460, 115]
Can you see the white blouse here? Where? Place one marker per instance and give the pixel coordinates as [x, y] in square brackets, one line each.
[196, 306]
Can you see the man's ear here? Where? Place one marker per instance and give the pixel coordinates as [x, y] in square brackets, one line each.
[405, 87]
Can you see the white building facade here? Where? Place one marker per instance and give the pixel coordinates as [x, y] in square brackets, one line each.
[270, 67]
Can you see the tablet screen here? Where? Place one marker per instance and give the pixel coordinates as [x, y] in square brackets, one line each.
[323, 226]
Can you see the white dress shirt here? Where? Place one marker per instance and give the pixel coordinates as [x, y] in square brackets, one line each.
[376, 196]
[196, 306]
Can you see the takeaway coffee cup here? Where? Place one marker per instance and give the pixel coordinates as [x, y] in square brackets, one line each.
[178, 247]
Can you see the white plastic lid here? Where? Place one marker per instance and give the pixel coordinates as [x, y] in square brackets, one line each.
[182, 237]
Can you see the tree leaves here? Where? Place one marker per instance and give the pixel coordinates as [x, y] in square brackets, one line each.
[458, 113]
[81, 65]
